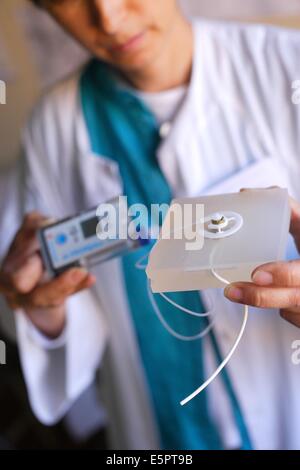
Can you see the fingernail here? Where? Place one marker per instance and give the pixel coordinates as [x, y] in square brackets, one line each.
[233, 293]
[47, 221]
[79, 274]
[263, 278]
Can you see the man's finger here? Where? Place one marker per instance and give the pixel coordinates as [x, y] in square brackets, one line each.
[27, 230]
[55, 292]
[291, 315]
[281, 274]
[263, 297]
[26, 242]
[30, 223]
[16, 258]
[25, 279]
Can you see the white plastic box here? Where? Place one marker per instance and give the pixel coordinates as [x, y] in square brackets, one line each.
[261, 239]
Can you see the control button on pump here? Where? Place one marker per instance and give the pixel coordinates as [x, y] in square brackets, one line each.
[165, 129]
[61, 239]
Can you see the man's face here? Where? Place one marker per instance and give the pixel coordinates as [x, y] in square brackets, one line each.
[126, 33]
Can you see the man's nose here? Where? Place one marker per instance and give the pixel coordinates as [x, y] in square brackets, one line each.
[111, 14]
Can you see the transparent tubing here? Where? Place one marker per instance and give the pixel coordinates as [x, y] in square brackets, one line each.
[157, 311]
[202, 333]
[234, 347]
[171, 330]
[223, 363]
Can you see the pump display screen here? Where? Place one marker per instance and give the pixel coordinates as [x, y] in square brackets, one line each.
[89, 227]
[75, 239]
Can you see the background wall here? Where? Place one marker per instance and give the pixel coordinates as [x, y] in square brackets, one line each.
[246, 8]
[34, 52]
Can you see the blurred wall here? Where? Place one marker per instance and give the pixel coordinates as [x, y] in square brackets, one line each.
[33, 67]
[23, 81]
[22, 26]
[242, 8]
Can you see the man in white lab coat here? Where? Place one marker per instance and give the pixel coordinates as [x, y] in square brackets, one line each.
[221, 95]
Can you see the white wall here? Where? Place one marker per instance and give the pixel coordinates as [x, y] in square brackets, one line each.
[22, 89]
[241, 8]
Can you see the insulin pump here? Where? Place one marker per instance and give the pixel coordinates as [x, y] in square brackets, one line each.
[76, 241]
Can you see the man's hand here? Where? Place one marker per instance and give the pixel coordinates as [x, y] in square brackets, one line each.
[275, 285]
[23, 282]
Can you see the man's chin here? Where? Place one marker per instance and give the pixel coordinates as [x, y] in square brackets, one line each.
[134, 64]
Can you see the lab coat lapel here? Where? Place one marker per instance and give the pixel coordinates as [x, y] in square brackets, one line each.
[192, 167]
[178, 155]
[99, 177]
[214, 145]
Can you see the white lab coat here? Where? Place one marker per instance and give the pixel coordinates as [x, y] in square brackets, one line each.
[237, 127]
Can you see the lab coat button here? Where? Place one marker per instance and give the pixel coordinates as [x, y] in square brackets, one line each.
[165, 129]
